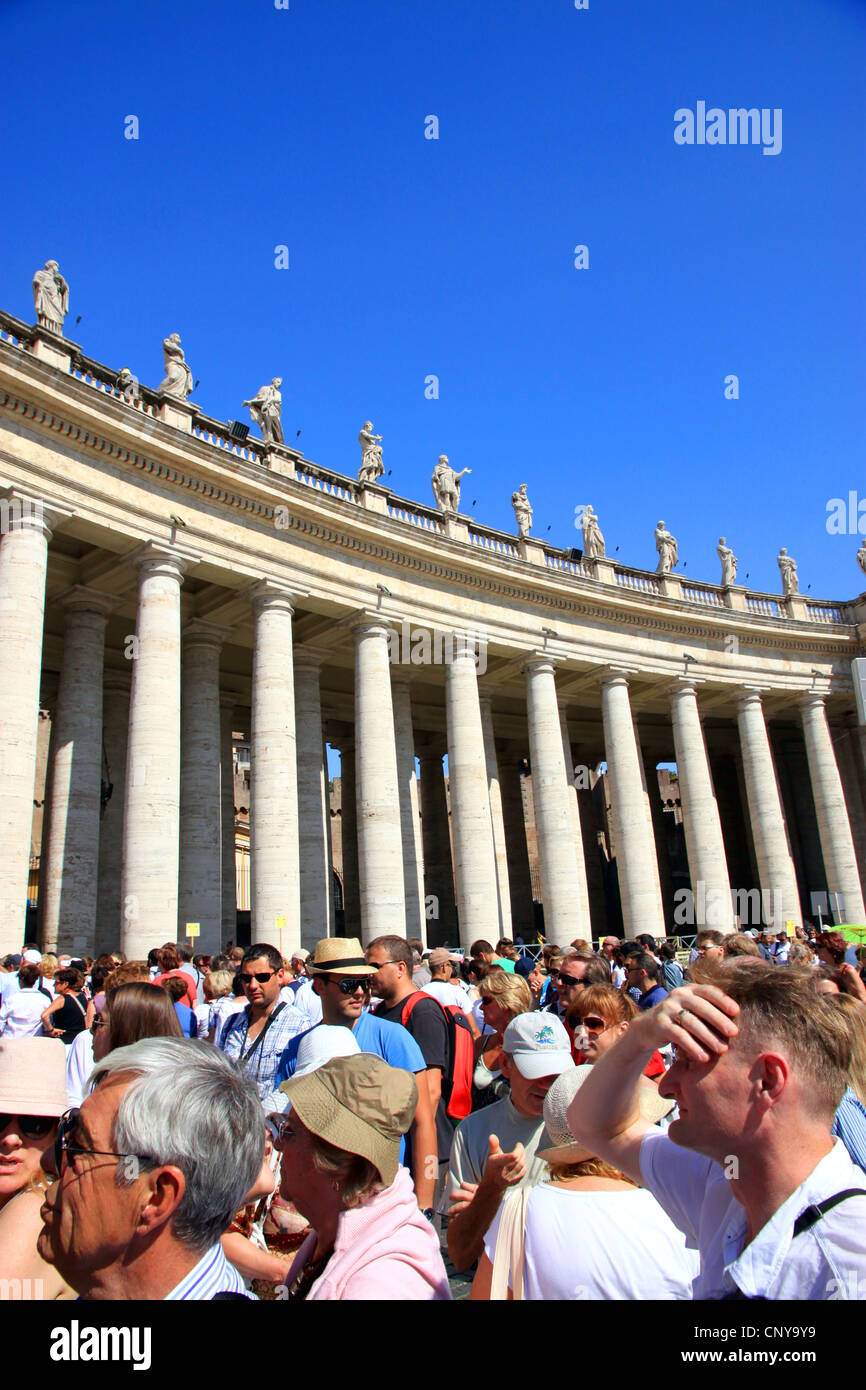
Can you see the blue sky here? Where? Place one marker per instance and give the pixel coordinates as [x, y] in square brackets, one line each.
[408, 257]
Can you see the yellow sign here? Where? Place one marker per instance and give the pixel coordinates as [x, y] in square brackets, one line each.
[281, 923]
[790, 928]
[193, 928]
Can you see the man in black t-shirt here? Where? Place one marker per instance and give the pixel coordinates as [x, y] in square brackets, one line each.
[427, 1022]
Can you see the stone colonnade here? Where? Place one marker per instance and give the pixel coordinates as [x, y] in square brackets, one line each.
[161, 854]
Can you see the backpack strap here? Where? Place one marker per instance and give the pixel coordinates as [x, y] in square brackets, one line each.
[808, 1218]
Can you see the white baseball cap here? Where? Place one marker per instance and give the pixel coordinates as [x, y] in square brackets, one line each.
[322, 1044]
[32, 957]
[538, 1045]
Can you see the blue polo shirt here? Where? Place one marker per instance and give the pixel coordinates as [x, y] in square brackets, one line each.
[652, 997]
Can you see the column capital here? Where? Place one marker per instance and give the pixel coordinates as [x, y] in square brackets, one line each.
[154, 557]
[309, 658]
[116, 683]
[811, 699]
[198, 632]
[684, 685]
[81, 599]
[615, 675]
[368, 622]
[751, 695]
[540, 660]
[21, 510]
[268, 596]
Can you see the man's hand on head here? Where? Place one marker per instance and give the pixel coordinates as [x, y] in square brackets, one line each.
[698, 1020]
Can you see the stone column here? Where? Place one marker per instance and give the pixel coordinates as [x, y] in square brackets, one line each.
[228, 858]
[115, 728]
[349, 840]
[200, 882]
[566, 913]
[25, 530]
[380, 844]
[580, 907]
[837, 844]
[592, 860]
[708, 868]
[329, 844]
[410, 819]
[313, 807]
[660, 829]
[151, 813]
[854, 786]
[775, 866]
[72, 845]
[438, 871]
[471, 827]
[274, 858]
[514, 822]
[494, 791]
[636, 864]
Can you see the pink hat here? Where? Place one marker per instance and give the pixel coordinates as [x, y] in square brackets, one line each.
[33, 1076]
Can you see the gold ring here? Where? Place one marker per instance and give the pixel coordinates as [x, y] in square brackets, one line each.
[683, 1013]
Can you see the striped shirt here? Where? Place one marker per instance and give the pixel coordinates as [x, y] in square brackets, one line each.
[212, 1275]
[850, 1126]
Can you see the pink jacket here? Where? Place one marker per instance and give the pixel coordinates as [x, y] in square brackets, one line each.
[384, 1250]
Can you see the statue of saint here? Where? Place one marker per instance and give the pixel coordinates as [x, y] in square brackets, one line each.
[593, 540]
[266, 408]
[178, 377]
[667, 548]
[372, 466]
[861, 557]
[729, 563]
[788, 568]
[51, 295]
[446, 485]
[128, 385]
[522, 511]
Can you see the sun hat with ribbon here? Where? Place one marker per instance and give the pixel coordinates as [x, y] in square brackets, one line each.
[358, 1104]
[33, 1076]
[339, 955]
[565, 1148]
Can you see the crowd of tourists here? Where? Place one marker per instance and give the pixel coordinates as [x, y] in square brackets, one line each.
[631, 1121]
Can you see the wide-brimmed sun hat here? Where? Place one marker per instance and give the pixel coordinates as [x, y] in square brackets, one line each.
[358, 1104]
[565, 1148]
[339, 955]
[33, 1076]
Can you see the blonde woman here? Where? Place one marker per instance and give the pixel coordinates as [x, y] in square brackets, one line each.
[502, 998]
[48, 969]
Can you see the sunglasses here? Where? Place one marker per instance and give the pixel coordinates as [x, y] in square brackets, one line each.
[553, 974]
[259, 979]
[31, 1126]
[349, 985]
[595, 1025]
[63, 1144]
[570, 980]
[280, 1129]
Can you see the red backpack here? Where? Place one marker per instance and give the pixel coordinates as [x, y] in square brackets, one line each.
[457, 1085]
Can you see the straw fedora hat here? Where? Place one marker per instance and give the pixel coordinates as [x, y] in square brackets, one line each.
[565, 1149]
[33, 1076]
[358, 1104]
[339, 955]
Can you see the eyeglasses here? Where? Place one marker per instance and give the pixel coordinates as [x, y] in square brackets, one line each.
[595, 1025]
[63, 1144]
[280, 1128]
[349, 985]
[31, 1126]
[98, 1023]
[570, 980]
[259, 979]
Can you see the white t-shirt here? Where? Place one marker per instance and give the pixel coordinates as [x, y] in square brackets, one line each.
[79, 1065]
[21, 1014]
[828, 1261]
[600, 1245]
[446, 993]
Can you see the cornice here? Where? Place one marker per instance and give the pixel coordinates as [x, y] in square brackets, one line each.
[631, 611]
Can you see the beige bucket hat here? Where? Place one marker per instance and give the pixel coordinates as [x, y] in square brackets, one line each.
[358, 1104]
[33, 1076]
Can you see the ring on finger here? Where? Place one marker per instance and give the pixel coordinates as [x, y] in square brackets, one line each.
[683, 1013]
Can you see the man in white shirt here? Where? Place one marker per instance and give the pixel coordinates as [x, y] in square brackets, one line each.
[609, 946]
[441, 985]
[749, 1170]
[21, 1012]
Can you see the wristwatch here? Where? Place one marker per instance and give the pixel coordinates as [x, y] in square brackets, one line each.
[429, 1213]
